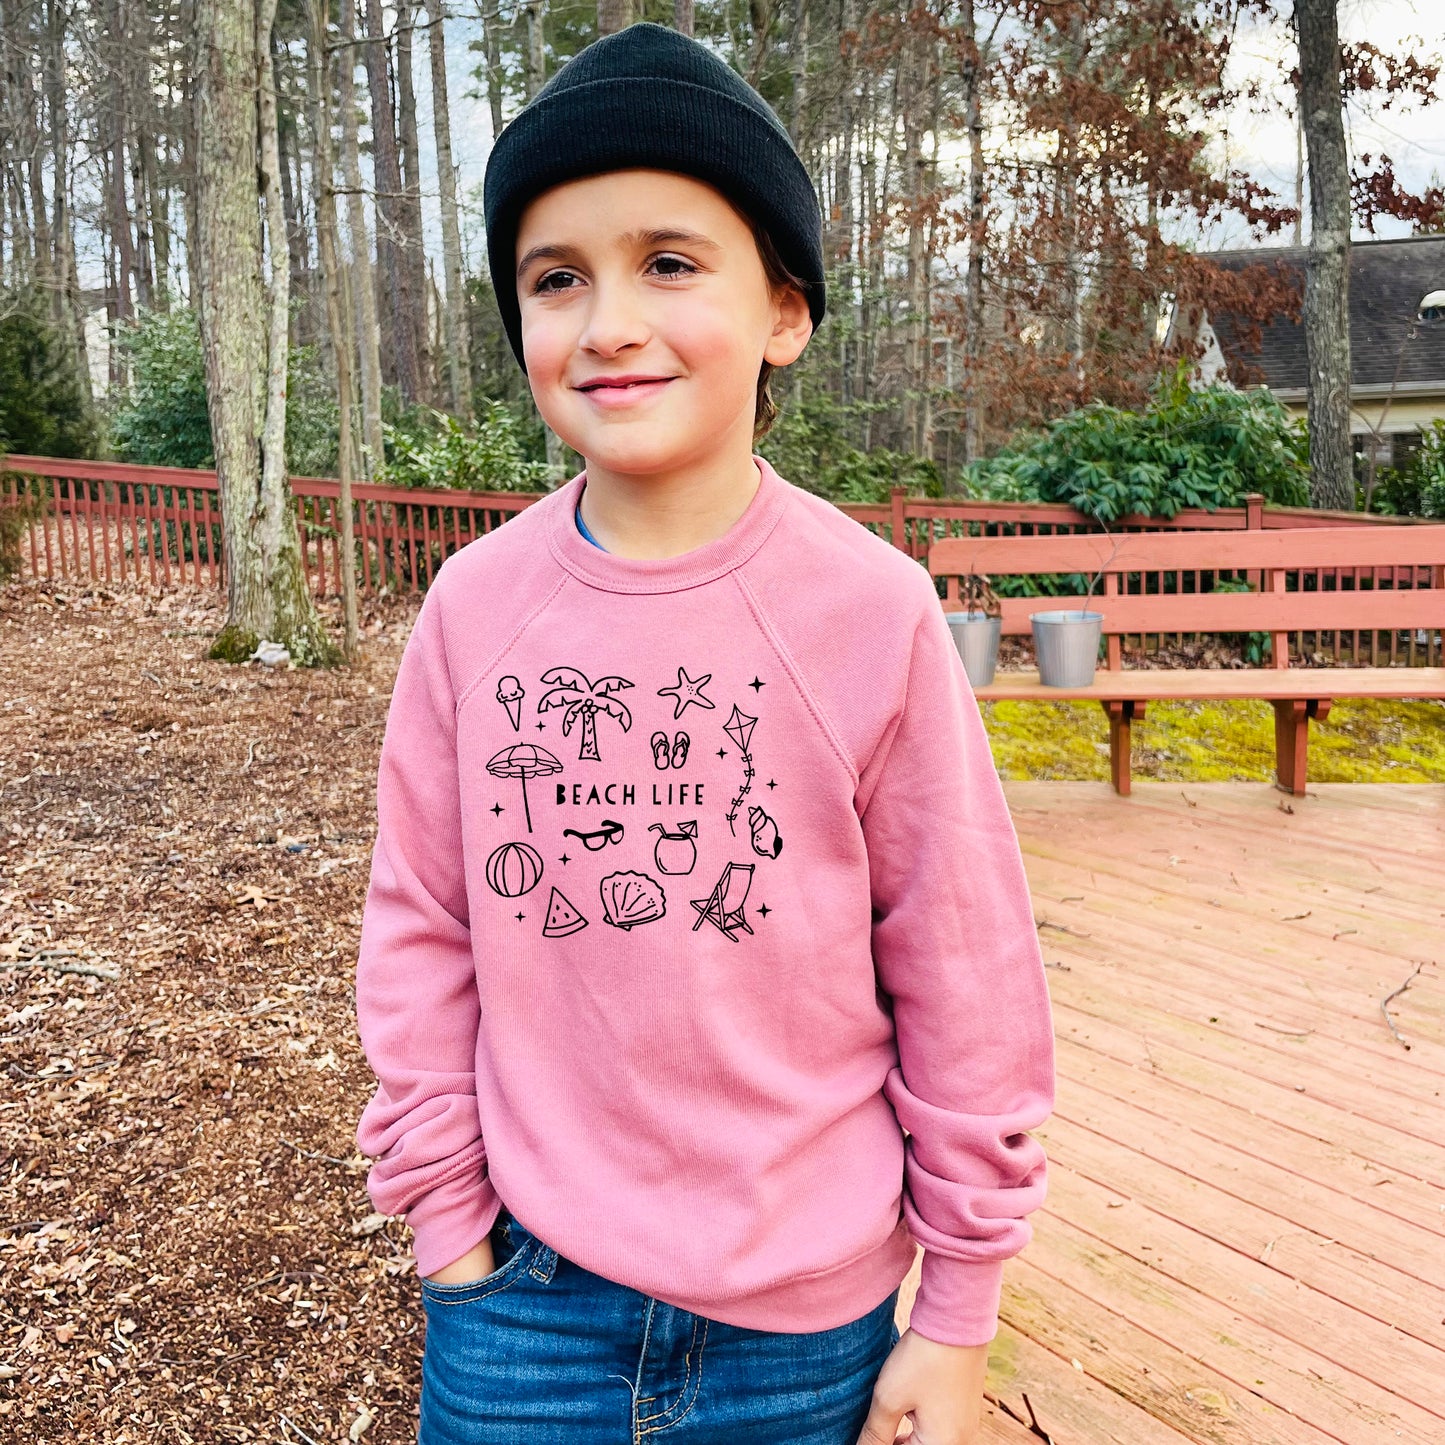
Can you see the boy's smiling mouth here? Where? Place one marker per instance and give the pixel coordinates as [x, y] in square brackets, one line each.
[624, 391]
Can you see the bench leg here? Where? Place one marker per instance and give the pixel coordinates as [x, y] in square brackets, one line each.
[1121, 715]
[1292, 740]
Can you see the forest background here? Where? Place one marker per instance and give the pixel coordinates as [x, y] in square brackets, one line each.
[1019, 201]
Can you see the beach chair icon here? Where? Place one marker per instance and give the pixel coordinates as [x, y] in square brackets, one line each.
[724, 905]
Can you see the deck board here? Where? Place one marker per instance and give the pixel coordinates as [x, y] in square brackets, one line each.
[1244, 1234]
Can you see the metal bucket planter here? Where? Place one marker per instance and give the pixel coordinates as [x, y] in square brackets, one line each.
[976, 635]
[1067, 646]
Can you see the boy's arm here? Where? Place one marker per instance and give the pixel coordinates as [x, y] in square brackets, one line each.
[416, 991]
[956, 949]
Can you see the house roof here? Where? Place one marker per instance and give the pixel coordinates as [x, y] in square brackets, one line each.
[1388, 280]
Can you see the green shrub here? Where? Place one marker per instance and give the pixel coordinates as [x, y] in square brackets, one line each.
[43, 408]
[163, 421]
[430, 449]
[1202, 448]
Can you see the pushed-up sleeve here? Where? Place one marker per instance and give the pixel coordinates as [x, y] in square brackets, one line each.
[417, 1004]
[956, 950]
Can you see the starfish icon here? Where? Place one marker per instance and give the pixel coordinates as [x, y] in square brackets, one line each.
[685, 690]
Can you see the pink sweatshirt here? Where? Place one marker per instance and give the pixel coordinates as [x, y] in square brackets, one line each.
[693, 890]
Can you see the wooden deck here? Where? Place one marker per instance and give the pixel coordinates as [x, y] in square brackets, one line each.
[1244, 1234]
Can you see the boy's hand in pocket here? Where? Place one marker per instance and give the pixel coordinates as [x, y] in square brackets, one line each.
[476, 1263]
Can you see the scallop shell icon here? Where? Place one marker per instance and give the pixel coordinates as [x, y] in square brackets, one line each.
[629, 899]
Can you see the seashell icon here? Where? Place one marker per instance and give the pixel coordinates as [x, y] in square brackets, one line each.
[767, 841]
[629, 899]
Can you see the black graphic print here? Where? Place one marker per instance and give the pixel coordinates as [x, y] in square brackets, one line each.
[687, 690]
[767, 841]
[510, 693]
[675, 852]
[723, 907]
[584, 699]
[524, 760]
[562, 917]
[630, 899]
[610, 831]
[669, 754]
[739, 727]
[632, 895]
[514, 869]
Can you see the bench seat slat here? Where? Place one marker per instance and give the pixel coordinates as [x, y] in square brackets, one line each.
[1147, 684]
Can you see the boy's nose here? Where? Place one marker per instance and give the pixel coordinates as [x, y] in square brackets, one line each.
[614, 318]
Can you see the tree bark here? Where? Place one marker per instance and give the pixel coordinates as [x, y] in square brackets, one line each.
[973, 404]
[244, 340]
[413, 243]
[363, 287]
[459, 369]
[1327, 272]
[334, 283]
[400, 311]
[612, 15]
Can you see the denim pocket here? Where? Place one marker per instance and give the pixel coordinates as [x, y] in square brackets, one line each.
[514, 1255]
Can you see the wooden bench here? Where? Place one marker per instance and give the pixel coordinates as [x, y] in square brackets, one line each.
[1277, 607]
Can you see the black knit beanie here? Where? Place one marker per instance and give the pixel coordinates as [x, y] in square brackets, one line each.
[650, 96]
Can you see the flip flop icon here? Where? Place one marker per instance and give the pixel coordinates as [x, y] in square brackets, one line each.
[660, 747]
[679, 750]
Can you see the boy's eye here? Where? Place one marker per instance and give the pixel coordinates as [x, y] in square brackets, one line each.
[687, 269]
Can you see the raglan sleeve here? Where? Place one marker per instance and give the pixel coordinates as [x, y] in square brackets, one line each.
[956, 950]
[417, 1003]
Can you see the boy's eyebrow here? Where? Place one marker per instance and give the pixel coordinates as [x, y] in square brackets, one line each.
[559, 251]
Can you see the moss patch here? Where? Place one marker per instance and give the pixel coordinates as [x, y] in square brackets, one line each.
[1366, 741]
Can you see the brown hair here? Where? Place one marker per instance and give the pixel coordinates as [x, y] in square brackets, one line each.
[779, 277]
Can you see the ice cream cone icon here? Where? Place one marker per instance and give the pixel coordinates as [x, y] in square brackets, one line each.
[510, 693]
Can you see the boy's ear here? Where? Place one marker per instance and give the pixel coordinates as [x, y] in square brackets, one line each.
[792, 327]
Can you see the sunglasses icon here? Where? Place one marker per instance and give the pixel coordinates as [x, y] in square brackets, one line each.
[609, 832]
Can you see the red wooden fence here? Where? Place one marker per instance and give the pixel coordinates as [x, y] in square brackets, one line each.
[107, 521]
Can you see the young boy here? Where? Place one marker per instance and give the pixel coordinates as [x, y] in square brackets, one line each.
[693, 880]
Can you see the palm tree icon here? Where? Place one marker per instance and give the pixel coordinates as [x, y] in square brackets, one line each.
[570, 689]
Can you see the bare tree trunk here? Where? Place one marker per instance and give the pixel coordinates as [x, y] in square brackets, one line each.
[363, 288]
[799, 57]
[1327, 273]
[612, 15]
[243, 339]
[333, 277]
[69, 313]
[682, 17]
[492, 48]
[400, 313]
[973, 403]
[458, 364]
[119, 209]
[413, 244]
[536, 68]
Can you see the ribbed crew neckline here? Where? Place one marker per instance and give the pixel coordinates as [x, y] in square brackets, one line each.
[612, 573]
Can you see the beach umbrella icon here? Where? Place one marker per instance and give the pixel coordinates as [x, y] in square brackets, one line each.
[524, 760]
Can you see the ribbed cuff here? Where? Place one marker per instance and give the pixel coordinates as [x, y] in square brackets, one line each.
[451, 1219]
[958, 1300]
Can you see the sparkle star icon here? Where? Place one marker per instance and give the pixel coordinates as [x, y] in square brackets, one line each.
[771, 783]
[756, 685]
[722, 752]
[520, 917]
[764, 910]
[496, 808]
[686, 690]
[564, 859]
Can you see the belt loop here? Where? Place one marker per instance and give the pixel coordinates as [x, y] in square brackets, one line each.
[544, 1263]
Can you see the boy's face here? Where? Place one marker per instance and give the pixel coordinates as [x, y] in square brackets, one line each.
[603, 294]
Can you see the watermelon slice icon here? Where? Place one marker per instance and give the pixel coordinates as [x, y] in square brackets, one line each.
[562, 918]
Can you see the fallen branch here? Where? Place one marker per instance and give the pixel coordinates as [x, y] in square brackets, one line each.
[52, 958]
[1384, 1005]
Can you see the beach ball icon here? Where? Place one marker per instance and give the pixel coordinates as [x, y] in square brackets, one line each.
[514, 869]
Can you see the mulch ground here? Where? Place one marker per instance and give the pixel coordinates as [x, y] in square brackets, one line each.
[187, 1250]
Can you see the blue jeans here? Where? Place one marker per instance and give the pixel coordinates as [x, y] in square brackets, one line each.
[545, 1352]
